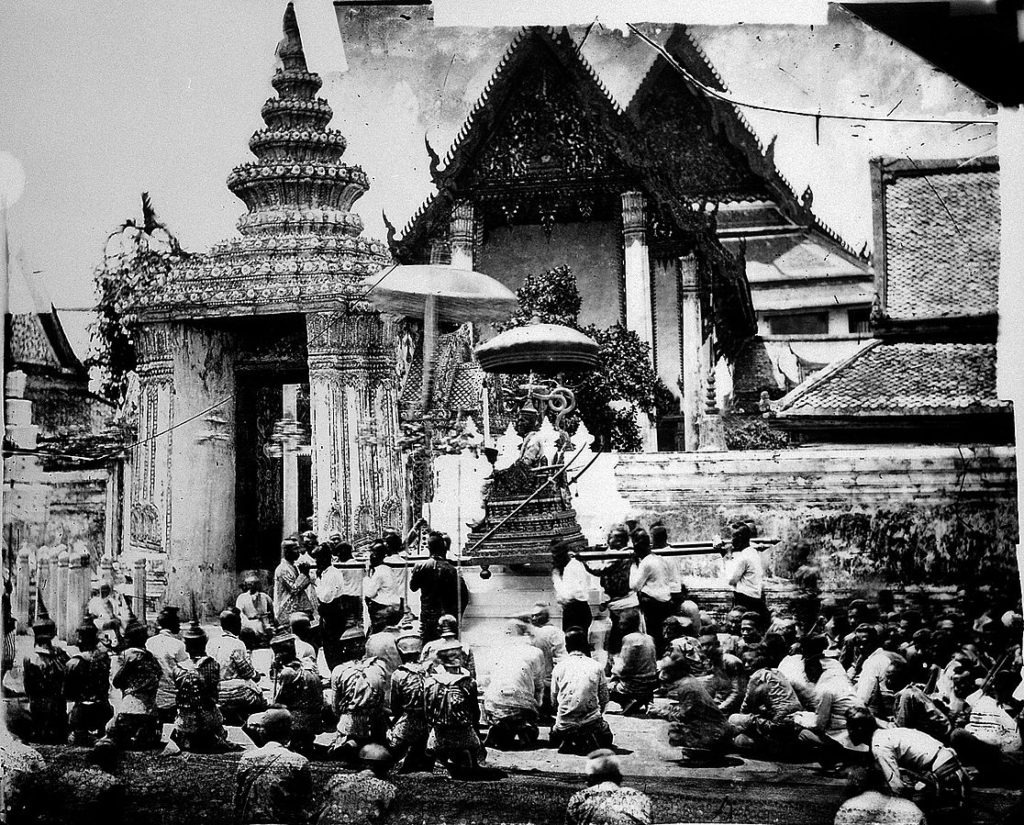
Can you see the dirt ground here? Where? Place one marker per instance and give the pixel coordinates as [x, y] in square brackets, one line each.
[190, 789]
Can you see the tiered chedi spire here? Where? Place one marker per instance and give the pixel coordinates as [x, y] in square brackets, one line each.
[299, 248]
[298, 183]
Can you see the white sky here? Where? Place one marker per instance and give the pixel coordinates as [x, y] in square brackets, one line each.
[102, 100]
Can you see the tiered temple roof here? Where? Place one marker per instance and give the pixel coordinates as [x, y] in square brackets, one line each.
[300, 248]
[932, 366]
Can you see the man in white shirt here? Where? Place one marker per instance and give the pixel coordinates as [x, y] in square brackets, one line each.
[746, 572]
[170, 653]
[550, 641]
[870, 670]
[514, 692]
[659, 541]
[397, 564]
[649, 577]
[572, 587]
[339, 590]
[381, 587]
[905, 753]
[238, 693]
[579, 691]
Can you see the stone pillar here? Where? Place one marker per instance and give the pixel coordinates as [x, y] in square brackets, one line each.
[59, 608]
[691, 356]
[149, 513]
[357, 477]
[639, 309]
[463, 229]
[45, 575]
[139, 589]
[79, 581]
[201, 509]
[23, 591]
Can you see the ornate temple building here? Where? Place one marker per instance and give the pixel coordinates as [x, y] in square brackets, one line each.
[663, 210]
[278, 378]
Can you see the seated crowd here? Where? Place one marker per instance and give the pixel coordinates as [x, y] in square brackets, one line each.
[926, 695]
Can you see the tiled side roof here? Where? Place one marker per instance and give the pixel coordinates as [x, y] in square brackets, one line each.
[902, 379]
[942, 244]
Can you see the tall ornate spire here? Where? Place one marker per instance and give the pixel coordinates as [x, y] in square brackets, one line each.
[298, 179]
[300, 248]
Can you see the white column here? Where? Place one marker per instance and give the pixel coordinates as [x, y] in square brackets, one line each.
[463, 226]
[290, 462]
[639, 309]
[691, 356]
[639, 317]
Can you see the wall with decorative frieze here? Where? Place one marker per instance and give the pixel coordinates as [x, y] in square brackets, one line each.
[870, 517]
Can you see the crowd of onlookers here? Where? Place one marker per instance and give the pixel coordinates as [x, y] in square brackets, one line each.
[923, 696]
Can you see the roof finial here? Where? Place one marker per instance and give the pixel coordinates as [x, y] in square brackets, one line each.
[290, 47]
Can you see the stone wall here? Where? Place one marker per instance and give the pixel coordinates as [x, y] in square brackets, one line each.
[870, 517]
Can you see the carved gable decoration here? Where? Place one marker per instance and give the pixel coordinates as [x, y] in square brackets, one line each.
[546, 134]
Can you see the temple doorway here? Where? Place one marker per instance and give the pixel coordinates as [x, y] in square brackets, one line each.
[273, 490]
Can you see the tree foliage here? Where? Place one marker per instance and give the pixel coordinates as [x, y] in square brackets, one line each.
[625, 381]
[135, 259]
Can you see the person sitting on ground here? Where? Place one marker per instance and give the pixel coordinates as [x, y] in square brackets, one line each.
[109, 612]
[634, 670]
[912, 763]
[362, 798]
[729, 635]
[273, 783]
[870, 667]
[452, 710]
[170, 653]
[766, 717]
[751, 632]
[382, 641]
[680, 633]
[407, 736]
[257, 613]
[550, 641]
[45, 671]
[806, 605]
[726, 682]
[605, 801]
[302, 629]
[696, 724]
[87, 686]
[858, 612]
[912, 707]
[137, 674]
[442, 590]
[359, 684]
[382, 589]
[238, 694]
[297, 689]
[199, 725]
[827, 695]
[447, 630]
[991, 732]
[579, 692]
[515, 690]
[649, 578]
